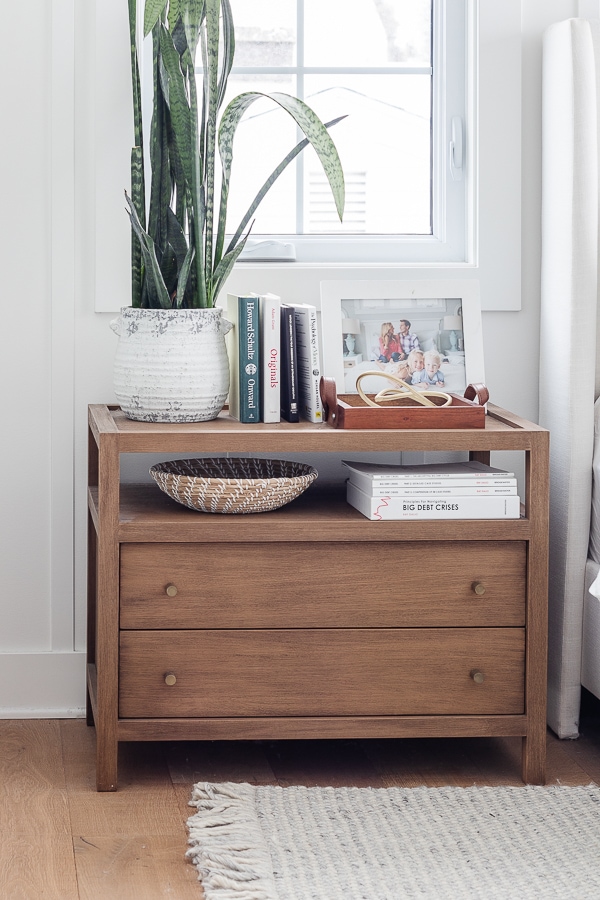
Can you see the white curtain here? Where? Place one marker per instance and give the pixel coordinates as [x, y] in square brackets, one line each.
[569, 367]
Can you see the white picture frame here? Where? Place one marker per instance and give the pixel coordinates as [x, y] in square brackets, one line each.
[427, 304]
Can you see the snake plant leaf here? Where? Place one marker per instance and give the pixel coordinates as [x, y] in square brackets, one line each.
[263, 190]
[169, 269]
[184, 275]
[138, 200]
[173, 13]
[192, 13]
[305, 118]
[162, 156]
[154, 279]
[223, 269]
[135, 75]
[177, 238]
[211, 77]
[316, 133]
[228, 50]
[180, 40]
[137, 182]
[175, 94]
[153, 10]
[157, 140]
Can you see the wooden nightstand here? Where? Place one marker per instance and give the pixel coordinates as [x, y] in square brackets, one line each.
[275, 625]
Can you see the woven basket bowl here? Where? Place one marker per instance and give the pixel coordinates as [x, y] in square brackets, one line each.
[236, 486]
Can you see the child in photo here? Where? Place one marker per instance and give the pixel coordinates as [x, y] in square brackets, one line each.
[400, 369]
[431, 375]
[416, 365]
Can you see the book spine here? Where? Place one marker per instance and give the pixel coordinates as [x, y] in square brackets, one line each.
[309, 365]
[428, 472]
[457, 491]
[289, 367]
[446, 485]
[412, 508]
[437, 477]
[270, 327]
[232, 340]
[249, 360]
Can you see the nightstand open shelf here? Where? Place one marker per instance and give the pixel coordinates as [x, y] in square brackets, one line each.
[276, 627]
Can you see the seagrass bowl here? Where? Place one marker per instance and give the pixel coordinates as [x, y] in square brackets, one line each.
[236, 485]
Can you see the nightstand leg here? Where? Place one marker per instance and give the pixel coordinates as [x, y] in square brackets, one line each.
[533, 759]
[107, 751]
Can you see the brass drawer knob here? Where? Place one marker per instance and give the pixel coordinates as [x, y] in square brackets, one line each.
[170, 679]
[478, 677]
[171, 590]
[478, 588]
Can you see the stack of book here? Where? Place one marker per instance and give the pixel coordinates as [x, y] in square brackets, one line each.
[467, 490]
[274, 360]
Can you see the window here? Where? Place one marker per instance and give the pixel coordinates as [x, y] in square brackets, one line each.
[491, 180]
[398, 71]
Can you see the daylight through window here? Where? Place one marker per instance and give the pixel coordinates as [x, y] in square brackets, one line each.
[384, 65]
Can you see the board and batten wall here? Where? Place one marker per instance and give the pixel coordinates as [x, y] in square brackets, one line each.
[57, 351]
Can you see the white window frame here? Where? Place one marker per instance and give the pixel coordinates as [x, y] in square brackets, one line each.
[493, 149]
[451, 98]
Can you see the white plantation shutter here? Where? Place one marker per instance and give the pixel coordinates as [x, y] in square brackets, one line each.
[322, 215]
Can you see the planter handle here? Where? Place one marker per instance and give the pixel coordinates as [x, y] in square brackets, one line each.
[226, 325]
[115, 325]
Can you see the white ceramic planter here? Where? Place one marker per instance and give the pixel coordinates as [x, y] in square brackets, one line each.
[171, 365]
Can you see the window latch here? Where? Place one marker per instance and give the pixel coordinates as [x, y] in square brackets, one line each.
[456, 149]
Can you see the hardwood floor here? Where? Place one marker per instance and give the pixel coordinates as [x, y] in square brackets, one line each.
[60, 839]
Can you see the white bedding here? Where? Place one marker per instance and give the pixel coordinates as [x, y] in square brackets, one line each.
[454, 376]
[590, 652]
[594, 551]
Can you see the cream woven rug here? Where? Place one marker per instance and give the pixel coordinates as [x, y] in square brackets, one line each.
[297, 843]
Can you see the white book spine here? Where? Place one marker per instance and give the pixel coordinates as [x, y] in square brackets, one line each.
[442, 473]
[433, 486]
[455, 491]
[270, 325]
[309, 364]
[232, 314]
[412, 508]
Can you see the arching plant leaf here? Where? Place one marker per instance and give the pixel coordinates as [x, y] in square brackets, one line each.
[153, 10]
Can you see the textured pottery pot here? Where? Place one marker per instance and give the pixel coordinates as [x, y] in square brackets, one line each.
[171, 365]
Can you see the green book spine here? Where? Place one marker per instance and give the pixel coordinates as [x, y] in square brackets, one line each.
[249, 357]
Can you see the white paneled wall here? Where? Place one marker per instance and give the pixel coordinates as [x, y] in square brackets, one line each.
[56, 352]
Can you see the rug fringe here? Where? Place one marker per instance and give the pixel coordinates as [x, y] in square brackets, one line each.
[227, 844]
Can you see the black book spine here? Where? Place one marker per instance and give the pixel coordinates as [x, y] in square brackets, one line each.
[289, 366]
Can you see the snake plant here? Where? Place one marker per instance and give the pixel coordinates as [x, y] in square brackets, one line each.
[180, 257]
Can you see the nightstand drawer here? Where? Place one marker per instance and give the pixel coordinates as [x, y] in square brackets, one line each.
[313, 672]
[322, 585]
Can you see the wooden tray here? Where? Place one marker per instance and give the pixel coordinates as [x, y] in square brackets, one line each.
[349, 410]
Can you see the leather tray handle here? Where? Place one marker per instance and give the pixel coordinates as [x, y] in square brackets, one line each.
[328, 391]
[477, 391]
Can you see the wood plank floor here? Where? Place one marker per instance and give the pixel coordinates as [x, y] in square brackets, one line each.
[60, 839]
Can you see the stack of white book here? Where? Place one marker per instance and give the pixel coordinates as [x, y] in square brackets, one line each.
[467, 490]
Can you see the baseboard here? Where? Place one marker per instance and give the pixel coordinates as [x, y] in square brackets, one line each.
[42, 685]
